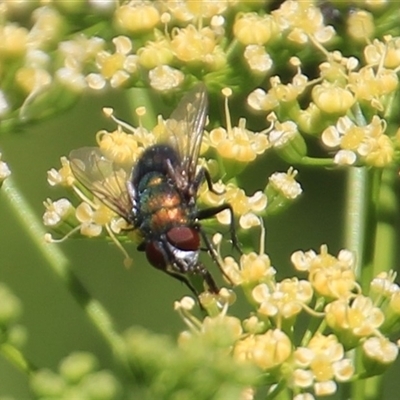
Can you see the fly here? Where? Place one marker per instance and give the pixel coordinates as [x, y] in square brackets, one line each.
[158, 195]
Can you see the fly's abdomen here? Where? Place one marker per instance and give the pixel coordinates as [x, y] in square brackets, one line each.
[160, 206]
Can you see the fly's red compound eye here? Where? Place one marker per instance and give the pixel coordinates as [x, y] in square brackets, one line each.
[155, 255]
[184, 238]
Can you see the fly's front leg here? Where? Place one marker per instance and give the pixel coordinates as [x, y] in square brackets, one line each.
[204, 175]
[212, 211]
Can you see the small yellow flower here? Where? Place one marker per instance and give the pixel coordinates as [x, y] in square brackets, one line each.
[284, 299]
[380, 350]
[57, 211]
[186, 303]
[283, 133]
[137, 16]
[164, 78]
[119, 146]
[93, 219]
[368, 142]
[285, 184]
[332, 99]
[278, 93]
[80, 50]
[368, 84]
[355, 319]
[78, 55]
[267, 351]
[13, 41]
[238, 143]
[383, 286]
[254, 325]
[194, 45]
[252, 28]
[320, 364]
[383, 53]
[190, 10]
[115, 67]
[231, 326]
[330, 277]
[237, 198]
[360, 25]
[63, 176]
[379, 151]
[155, 53]
[303, 21]
[253, 269]
[257, 58]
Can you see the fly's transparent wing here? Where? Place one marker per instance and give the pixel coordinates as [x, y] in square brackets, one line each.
[103, 178]
[185, 128]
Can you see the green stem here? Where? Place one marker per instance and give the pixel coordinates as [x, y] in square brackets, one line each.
[356, 210]
[363, 193]
[317, 162]
[361, 226]
[15, 356]
[386, 237]
[59, 264]
[138, 97]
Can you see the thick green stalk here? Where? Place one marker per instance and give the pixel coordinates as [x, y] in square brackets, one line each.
[363, 188]
[59, 264]
[387, 213]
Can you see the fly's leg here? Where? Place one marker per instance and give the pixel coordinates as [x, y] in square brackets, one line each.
[202, 175]
[210, 248]
[203, 272]
[212, 211]
[207, 277]
[182, 279]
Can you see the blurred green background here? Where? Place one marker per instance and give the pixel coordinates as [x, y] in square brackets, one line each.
[140, 295]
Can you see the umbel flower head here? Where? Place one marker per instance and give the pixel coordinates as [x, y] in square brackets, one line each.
[168, 45]
[321, 80]
[319, 362]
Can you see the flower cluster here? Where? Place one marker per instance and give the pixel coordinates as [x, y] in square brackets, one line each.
[341, 318]
[166, 45]
[78, 375]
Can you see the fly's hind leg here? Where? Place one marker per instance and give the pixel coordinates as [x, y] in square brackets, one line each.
[210, 248]
[207, 277]
[184, 280]
[200, 270]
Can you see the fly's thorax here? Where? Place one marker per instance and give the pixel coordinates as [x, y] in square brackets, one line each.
[155, 159]
[150, 181]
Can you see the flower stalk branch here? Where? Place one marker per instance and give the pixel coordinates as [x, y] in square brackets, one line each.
[58, 263]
